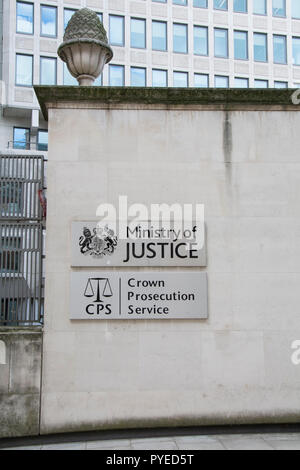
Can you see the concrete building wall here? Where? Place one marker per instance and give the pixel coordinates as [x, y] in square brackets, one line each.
[20, 377]
[242, 162]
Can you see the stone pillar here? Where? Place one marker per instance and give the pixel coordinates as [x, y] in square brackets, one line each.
[235, 151]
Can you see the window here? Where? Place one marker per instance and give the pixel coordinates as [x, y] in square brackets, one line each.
[42, 143]
[240, 6]
[279, 8]
[280, 84]
[24, 65]
[180, 38]
[296, 9]
[116, 75]
[260, 7]
[21, 138]
[68, 13]
[159, 35]
[138, 33]
[159, 78]
[100, 16]
[279, 49]
[241, 45]
[296, 51]
[180, 2]
[201, 40]
[221, 4]
[48, 71]
[11, 198]
[48, 21]
[116, 30]
[200, 80]
[221, 42]
[68, 78]
[137, 76]
[241, 82]
[260, 47]
[24, 18]
[261, 83]
[180, 79]
[221, 81]
[10, 255]
[200, 3]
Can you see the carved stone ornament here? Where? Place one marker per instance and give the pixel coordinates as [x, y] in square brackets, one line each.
[85, 47]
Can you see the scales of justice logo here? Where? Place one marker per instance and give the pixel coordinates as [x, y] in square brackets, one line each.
[98, 287]
[101, 242]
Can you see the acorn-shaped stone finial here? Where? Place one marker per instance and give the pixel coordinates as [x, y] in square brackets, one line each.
[85, 47]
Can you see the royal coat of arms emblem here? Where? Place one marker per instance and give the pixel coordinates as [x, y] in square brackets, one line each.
[101, 242]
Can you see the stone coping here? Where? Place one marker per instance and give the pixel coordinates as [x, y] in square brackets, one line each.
[217, 98]
[9, 330]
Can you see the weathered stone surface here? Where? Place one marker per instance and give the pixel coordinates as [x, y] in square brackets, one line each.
[20, 381]
[223, 98]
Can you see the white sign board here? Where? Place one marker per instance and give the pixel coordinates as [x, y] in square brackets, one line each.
[142, 245]
[100, 295]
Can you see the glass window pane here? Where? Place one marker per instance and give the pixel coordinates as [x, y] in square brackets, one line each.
[48, 71]
[24, 17]
[21, 138]
[180, 79]
[279, 8]
[137, 76]
[241, 82]
[159, 35]
[100, 16]
[138, 33]
[296, 51]
[240, 45]
[116, 75]
[261, 83]
[42, 140]
[240, 6]
[201, 40]
[48, 21]
[221, 42]
[221, 81]
[279, 49]
[68, 78]
[296, 9]
[180, 2]
[200, 80]
[180, 38]
[221, 4]
[260, 7]
[24, 69]
[68, 13]
[260, 47]
[280, 84]
[159, 78]
[200, 3]
[116, 30]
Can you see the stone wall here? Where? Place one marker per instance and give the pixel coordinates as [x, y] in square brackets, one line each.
[20, 372]
[237, 153]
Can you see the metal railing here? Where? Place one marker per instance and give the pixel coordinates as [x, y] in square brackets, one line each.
[21, 240]
[21, 178]
[21, 273]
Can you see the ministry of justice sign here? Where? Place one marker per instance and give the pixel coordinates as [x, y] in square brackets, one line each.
[142, 244]
[105, 295]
